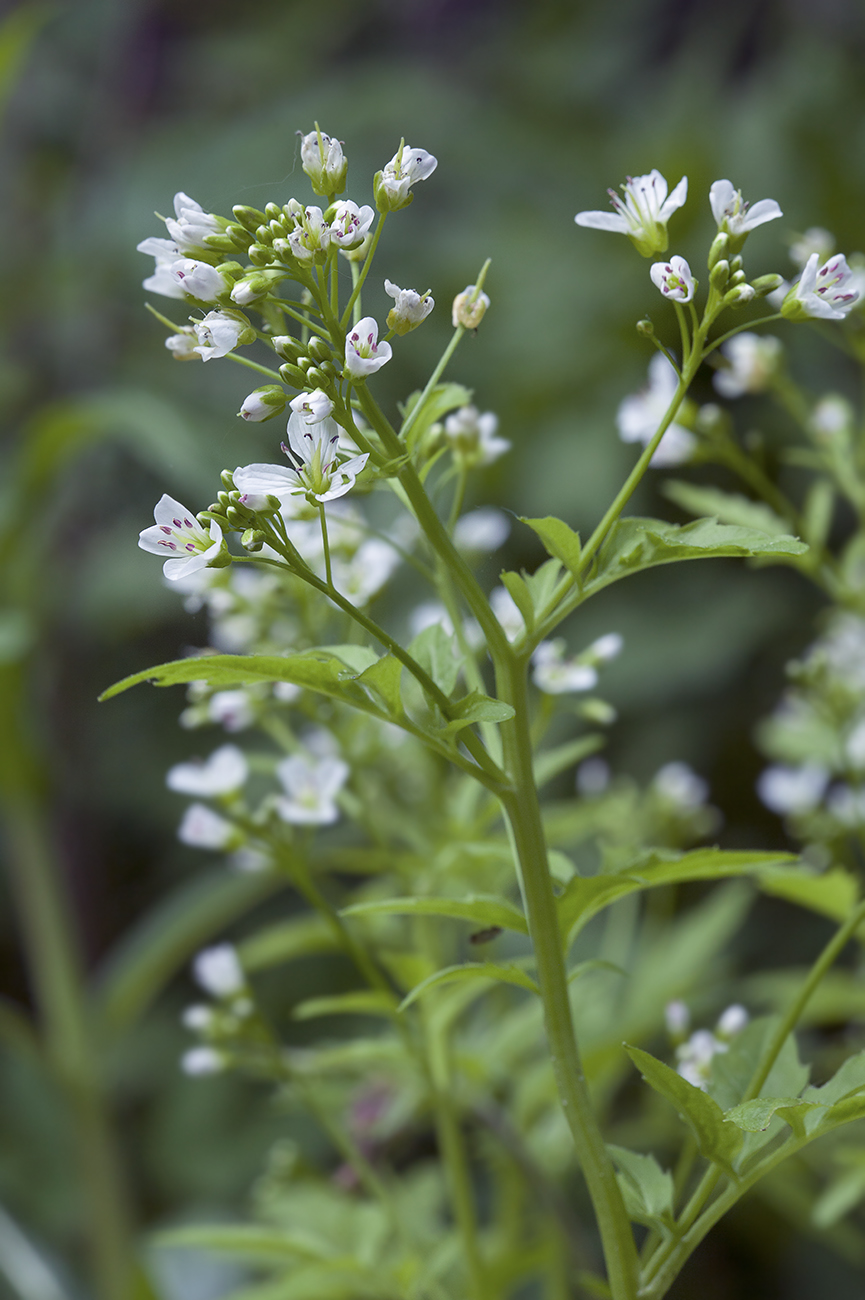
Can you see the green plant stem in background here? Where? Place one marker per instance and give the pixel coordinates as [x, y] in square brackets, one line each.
[48, 929]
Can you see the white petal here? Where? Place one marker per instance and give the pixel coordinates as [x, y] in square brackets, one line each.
[675, 200]
[765, 210]
[603, 221]
[720, 197]
[275, 480]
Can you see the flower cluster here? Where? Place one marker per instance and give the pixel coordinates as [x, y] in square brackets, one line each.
[695, 1054]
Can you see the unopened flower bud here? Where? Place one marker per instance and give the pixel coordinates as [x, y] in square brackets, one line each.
[255, 285]
[253, 540]
[324, 162]
[720, 273]
[469, 308]
[738, 296]
[646, 327]
[766, 284]
[720, 244]
[263, 403]
[249, 218]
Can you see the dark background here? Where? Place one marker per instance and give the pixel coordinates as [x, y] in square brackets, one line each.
[532, 110]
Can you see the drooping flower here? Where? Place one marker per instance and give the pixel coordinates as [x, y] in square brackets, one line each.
[162, 281]
[316, 471]
[179, 536]
[363, 353]
[314, 406]
[674, 279]
[754, 360]
[190, 225]
[392, 185]
[199, 279]
[224, 772]
[310, 790]
[473, 436]
[324, 162]
[349, 224]
[202, 828]
[469, 308]
[794, 790]
[409, 309]
[220, 333]
[218, 971]
[640, 414]
[484, 529]
[736, 217]
[556, 675]
[824, 294]
[263, 403]
[643, 213]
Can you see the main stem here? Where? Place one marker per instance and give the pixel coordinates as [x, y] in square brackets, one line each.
[524, 815]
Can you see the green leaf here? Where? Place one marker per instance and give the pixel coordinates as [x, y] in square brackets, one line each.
[358, 1002]
[358, 658]
[382, 679]
[839, 1198]
[167, 936]
[481, 909]
[559, 539]
[646, 1187]
[594, 963]
[733, 1070]
[478, 707]
[715, 1140]
[727, 507]
[434, 651]
[756, 1116]
[635, 544]
[244, 1240]
[834, 893]
[485, 970]
[550, 762]
[522, 597]
[285, 941]
[587, 895]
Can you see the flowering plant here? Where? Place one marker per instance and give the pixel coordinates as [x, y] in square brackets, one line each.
[398, 792]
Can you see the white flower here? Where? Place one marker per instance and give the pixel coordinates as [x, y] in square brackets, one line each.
[393, 183]
[310, 790]
[202, 828]
[638, 416]
[324, 162]
[182, 345]
[734, 215]
[792, 789]
[674, 279]
[833, 415]
[310, 235]
[473, 436]
[507, 612]
[361, 577]
[225, 771]
[815, 240]
[823, 294]
[199, 279]
[643, 213]
[197, 1017]
[409, 309]
[606, 647]
[679, 785]
[179, 535]
[469, 308]
[732, 1021]
[695, 1057]
[286, 692]
[484, 529]
[218, 971]
[232, 709]
[263, 403]
[753, 361]
[317, 472]
[162, 280]
[191, 224]
[363, 353]
[218, 334]
[350, 224]
[677, 1018]
[556, 675]
[314, 406]
[202, 1060]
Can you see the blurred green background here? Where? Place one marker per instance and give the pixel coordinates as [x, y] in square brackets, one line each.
[532, 110]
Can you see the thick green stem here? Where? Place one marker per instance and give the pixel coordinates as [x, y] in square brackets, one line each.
[55, 969]
[524, 815]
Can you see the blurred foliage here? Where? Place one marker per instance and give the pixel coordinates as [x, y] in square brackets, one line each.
[533, 110]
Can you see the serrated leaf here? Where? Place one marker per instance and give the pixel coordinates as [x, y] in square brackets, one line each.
[635, 544]
[715, 1140]
[549, 762]
[285, 941]
[358, 1002]
[587, 895]
[482, 910]
[726, 507]
[486, 970]
[434, 651]
[833, 893]
[559, 539]
[647, 1188]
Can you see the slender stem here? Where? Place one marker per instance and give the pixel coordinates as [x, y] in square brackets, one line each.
[458, 497]
[364, 272]
[748, 325]
[253, 365]
[355, 275]
[683, 331]
[298, 316]
[431, 383]
[523, 812]
[326, 545]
